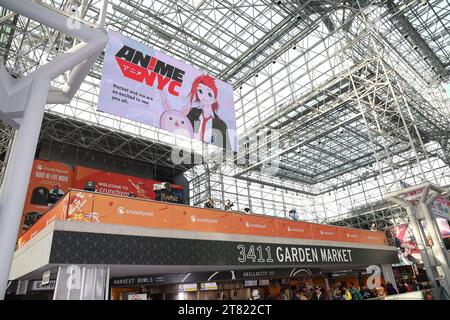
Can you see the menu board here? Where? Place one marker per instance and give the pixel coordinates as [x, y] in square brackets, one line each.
[208, 286]
[187, 287]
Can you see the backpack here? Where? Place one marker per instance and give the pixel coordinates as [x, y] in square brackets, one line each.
[356, 295]
[348, 295]
[366, 294]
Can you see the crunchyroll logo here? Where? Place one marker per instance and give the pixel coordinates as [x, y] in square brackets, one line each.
[122, 211]
[255, 225]
[203, 220]
[294, 229]
[40, 167]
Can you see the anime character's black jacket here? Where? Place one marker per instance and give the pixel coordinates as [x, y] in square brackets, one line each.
[220, 136]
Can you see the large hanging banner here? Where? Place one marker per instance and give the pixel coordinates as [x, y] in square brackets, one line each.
[439, 208]
[142, 84]
[403, 238]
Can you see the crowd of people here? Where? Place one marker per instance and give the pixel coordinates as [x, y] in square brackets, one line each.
[228, 205]
[211, 204]
[344, 292]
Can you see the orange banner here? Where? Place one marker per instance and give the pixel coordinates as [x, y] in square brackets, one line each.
[353, 235]
[326, 232]
[294, 229]
[254, 225]
[203, 220]
[373, 237]
[133, 212]
[99, 208]
[44, 221]
[49, 182]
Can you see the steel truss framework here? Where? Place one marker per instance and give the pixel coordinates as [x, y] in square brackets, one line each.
[345, 95]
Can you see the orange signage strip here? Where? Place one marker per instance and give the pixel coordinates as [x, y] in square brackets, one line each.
[100, 208]
[58, 212]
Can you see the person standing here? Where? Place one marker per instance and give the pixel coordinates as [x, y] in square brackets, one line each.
[318, 295]
[355, 292]
[390, 289]
[366, 293]
[228, 205]
[414, 284]
[293, 214]
[346, 294]
[337, 294]
[209, 203]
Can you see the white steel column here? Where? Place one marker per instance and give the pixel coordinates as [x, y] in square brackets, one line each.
[33, 92]
[417, 204]
[388, 274]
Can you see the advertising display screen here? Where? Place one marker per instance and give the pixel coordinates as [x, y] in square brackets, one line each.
[439, 208]
[407, 249]
[49, 182]
[403, 238]
[142, 84]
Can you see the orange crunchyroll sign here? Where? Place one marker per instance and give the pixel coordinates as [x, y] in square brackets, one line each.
[115, 183]
[100, 208]
[49, 182]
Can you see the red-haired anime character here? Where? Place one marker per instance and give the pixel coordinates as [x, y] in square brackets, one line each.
[204, 106]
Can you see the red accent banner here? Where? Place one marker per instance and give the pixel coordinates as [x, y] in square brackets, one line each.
[115, 183]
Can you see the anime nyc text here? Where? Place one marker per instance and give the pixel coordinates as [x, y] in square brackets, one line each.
[139, 67]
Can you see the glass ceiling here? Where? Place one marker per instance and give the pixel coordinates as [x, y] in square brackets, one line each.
[289, 63]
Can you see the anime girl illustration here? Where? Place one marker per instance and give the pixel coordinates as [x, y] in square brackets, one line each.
[202, 113]
[76, 212]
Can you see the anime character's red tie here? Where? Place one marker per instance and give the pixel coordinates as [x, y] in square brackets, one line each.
[205, 120]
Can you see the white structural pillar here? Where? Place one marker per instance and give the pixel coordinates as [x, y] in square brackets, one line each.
[23, 104]
[417, 200]
[82, 283]
[388, 274]
[419, 235]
